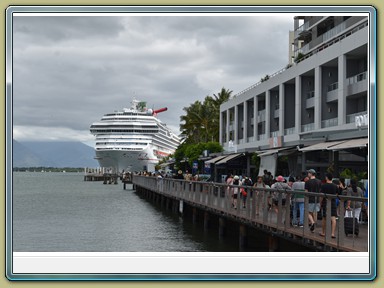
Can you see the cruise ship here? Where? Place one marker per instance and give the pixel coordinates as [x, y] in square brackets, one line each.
[133, 139]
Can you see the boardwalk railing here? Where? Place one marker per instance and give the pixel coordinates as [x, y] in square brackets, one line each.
[256, 210]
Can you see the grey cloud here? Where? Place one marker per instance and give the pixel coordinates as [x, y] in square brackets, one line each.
[51, 29]
[70, 73]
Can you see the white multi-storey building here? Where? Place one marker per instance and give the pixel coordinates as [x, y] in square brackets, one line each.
[320, 103]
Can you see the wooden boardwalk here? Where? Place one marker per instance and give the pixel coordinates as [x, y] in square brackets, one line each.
[214, 198]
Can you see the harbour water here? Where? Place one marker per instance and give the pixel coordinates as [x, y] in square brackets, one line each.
[59, 212]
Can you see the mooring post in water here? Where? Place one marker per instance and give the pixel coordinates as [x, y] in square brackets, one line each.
[242, 237]
[222, 227]
[194, 215]
[206, 220]
[273, 243]
[181, 206]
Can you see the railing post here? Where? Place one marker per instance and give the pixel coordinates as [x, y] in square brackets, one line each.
[288, 211]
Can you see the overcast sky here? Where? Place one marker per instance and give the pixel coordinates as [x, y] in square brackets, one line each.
[68, 71]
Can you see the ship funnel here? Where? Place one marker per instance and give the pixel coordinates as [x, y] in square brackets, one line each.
[154, 113]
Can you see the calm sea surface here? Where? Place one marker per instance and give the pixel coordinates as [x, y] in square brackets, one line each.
[60, 212]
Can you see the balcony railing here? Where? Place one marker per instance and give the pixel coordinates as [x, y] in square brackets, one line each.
[307, 24]
[275, 134]
[262, 136]
[261, 116]
[333, 86]
[351, 117]
[276, 113]
[310, 94]
[289, 131]
[329, 123]
[308, 127]
[357, 78]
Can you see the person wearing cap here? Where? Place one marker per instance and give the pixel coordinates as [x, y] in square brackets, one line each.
[312, 185]
[280, 185]
[179, 175]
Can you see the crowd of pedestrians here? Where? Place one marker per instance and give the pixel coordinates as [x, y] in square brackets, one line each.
[286, 191]
[279, 192]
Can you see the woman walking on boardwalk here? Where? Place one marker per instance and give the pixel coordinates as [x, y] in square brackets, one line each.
[229, 182]
[260, 193]
[236, 182]
[354, 206]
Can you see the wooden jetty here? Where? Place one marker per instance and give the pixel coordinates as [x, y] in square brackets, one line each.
[208, 200]
[108, 176]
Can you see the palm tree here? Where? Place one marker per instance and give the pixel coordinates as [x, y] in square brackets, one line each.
[201, 120]
[190, 128]
[223, 96]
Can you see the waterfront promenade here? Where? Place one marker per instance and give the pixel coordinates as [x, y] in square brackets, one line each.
[213, 200]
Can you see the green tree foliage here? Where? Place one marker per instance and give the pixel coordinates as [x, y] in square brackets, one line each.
[201, 121]
[200, 127]
[193, 151]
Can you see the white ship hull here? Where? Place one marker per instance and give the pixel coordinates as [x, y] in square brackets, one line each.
[143, 160]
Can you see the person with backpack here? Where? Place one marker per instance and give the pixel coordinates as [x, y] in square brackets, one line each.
[279, 185]
[354, 206]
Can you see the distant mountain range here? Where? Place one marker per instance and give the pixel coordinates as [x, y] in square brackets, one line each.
[53, 154]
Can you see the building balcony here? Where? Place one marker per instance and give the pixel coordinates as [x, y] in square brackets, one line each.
[357, 84]
[310, 102]
[289, 131]
[308, 127]
[307, 24]
[329, 123]
[310, 94]
[332, 92]
[276, 113]
[275, 134]
[261, 116]
[351, 118]
[357, 78]
[262, 137]
[251, 139]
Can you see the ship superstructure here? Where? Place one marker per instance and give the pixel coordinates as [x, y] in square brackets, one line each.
[133, 139]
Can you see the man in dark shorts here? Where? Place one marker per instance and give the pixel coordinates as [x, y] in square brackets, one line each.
[313, 185]
[329, 188]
